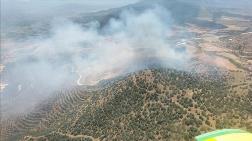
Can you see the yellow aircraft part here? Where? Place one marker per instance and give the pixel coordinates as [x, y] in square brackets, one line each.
[235, 137]
[226, 135]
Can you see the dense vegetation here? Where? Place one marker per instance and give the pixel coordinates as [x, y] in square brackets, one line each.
[154, 104]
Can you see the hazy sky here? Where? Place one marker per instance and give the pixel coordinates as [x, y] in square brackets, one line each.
[30, 6]
[46, 8]
[13, 10]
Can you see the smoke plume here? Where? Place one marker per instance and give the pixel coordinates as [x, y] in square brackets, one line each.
[73, 54]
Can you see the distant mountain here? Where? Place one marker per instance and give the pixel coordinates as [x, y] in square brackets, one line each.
[181, 11]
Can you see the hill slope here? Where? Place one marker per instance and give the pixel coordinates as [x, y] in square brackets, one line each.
[154, 104]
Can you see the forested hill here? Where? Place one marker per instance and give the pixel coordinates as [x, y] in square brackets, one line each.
[155, 104]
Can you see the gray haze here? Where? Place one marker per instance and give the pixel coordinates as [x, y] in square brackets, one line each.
[15, 12]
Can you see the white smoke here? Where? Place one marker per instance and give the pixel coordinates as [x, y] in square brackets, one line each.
[77, 55]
